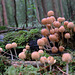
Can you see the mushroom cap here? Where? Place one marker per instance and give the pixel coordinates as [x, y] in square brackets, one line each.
[56, 23]
[60, 19]
[8, 46]
[43, 59]
[27, 47]
[52, 37]
[40, 42]
[67, 35]
[53, 18]
[50, 13]
[66, 57]
[1, 49]
[22, 55]
[48, 26]
[44, 32]
[49, 20]
[66, 23]
[70, 25]
[45, 40]
[35, 55]
[40, 47]
[61, 48]
[56, 30]
[24, 50]
[14, 45]
[44, 21]
[41, 52]
[52, 31]
[54, 49]
[62, 29]
[50, 60]
[74, 29]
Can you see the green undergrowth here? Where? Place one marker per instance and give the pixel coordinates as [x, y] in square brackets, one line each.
[21, 37]
[3, 28]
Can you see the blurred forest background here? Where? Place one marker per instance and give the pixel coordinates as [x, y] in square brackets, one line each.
[28, 13]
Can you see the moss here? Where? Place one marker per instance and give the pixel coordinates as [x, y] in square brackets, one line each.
[3, 28]
[22, 37]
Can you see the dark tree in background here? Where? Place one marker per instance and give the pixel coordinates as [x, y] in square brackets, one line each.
[5, 22]
[44, 8]
[37, 11]
[26, 20]
[61, 8]
[15, 16]
[54, 8]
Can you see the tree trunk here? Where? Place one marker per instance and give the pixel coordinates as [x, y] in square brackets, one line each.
[54, 8]
[26, 13]
[4, 12]
[15, 16]
[37, 11]
[1, 20]
[44, 9]
[61, 8]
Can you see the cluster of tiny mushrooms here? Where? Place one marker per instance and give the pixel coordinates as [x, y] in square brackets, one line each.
[51, 34]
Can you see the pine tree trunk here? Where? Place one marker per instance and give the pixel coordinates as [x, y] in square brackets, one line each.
[26, 21]
[44, 9]
[4, 12]
[37, 11]
[61, 8]
[15, 16]
[54, 8]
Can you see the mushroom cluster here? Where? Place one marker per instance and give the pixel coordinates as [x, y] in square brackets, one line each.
[55, 32]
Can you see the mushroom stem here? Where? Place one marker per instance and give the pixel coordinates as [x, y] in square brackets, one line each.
[11, 55]
[50, 68]
[45, 68]
[15, 52]
[67, 68]
[37, 64]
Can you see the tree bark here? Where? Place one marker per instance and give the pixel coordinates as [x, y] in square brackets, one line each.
[4, 12]
[15, 15]
[37, 11]
[44, 9]
[61, 8]
[1, 20]
[26, 21]
[54, 8]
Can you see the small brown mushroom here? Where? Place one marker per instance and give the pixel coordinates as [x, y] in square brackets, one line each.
[43, 60]
[44, 32]
[66, 23]
[35, 55]
[14, 45]
[41, 52]
[50, 13]
[61, 48]
[66, 57]
[24, 50]
[44, 21]
[27, 47]
[49, 20]
[54, 49]
[56, 23]
[70, 25]
[9, 46]
[50, 61]
[52, 31]
[45, 40]
[40, 42]
[40, 47]
[22, 55]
